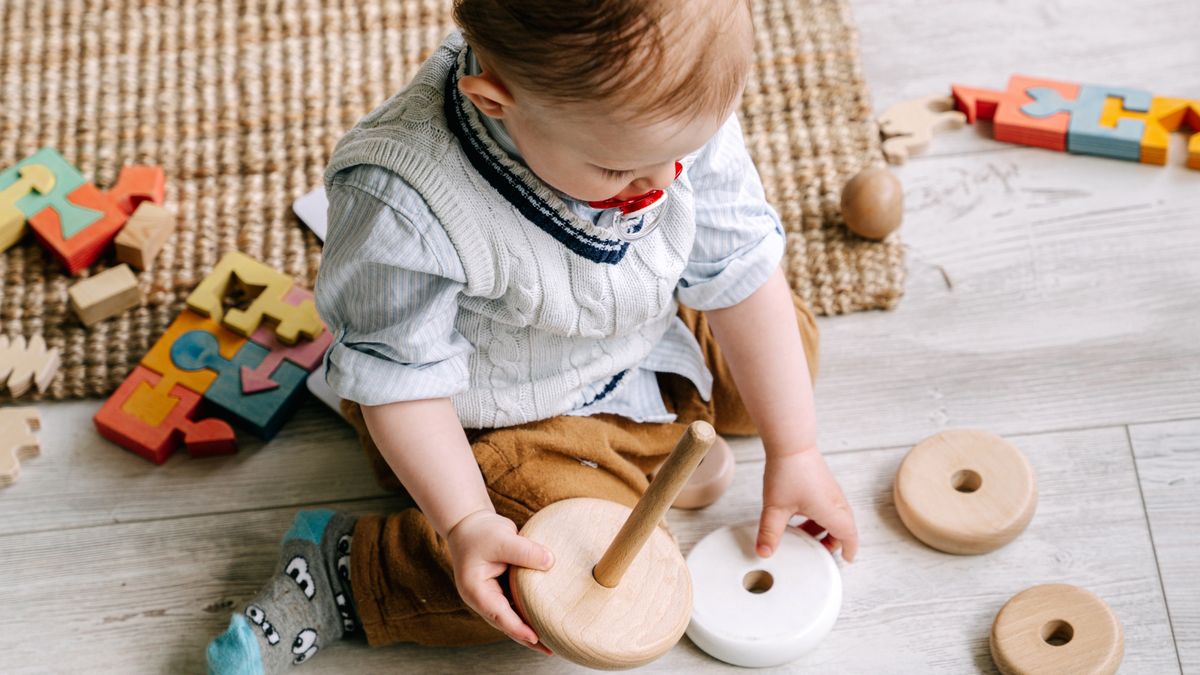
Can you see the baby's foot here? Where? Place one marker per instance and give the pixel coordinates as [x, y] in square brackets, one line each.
[305, 606]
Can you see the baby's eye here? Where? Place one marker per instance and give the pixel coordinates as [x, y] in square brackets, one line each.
[613, 174]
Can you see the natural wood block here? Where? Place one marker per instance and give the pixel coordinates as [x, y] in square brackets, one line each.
[17, 441]
[105, 295]
[965, 491]
[1057, 628]
[144, 234]
[24, 364]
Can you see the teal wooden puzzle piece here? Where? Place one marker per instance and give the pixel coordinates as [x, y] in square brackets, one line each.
[74, 218]
[262, 412]
[1085, 134]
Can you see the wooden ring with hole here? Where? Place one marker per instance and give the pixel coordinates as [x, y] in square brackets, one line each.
[710, 480]
[965, 491]
[1057, 628]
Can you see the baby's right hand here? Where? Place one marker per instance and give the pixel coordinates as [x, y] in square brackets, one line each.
[482, 546]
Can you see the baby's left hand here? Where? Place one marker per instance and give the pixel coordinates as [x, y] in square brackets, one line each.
[802, 483]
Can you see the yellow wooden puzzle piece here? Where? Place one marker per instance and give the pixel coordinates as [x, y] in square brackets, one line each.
[1165, 116]
[152, 405]
[12, 220]
[263, 290]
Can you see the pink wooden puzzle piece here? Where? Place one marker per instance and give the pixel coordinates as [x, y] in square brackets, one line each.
[306, 354]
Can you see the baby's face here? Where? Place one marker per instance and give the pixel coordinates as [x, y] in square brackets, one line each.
[592, 154]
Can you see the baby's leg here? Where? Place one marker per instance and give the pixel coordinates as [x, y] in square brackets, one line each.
[401, 569]
[725, 411]
[306, 606]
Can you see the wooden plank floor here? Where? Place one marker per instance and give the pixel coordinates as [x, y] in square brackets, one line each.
[1052, 298]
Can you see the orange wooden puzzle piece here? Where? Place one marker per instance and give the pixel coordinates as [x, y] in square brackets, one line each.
[137, 184]
[1004, 109]
[1166, 115]
[81, 250]
[154, 409]
[122, 420]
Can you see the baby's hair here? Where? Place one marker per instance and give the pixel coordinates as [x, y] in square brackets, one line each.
[614, 50]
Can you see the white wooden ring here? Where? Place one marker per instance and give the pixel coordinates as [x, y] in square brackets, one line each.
[760, 612]
[965, 491]
[1057, 628]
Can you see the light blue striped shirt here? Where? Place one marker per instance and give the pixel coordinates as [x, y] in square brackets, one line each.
[394, 279]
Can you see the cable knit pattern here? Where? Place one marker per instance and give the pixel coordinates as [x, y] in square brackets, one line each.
[558, 309]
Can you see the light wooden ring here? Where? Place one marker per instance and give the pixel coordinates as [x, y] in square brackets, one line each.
[965, 491]
[1057, 628]
[710, 480]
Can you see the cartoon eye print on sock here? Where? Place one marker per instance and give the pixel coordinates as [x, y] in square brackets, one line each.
[347, 622]
[259, 617]
[305, 645]
[297, 568]
[343, 561]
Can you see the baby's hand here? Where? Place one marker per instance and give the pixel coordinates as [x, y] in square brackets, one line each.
[802, 483]
[482, 546]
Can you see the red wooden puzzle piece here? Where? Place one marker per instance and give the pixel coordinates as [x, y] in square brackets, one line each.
[137, 184]
[83, 249]
[118, 422]
[1004, 109]
[307, 353]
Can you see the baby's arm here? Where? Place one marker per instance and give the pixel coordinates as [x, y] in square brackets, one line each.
[733, 275]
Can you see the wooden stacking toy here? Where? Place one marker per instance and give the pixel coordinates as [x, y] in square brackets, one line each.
[873, 203]
[620, 604]
[760, 612]
[710, 480]
[1056, 628]
[965, 491]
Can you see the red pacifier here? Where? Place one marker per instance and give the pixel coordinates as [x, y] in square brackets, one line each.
[630, 218]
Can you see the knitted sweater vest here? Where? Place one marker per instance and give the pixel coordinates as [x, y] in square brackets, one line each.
[558, 309]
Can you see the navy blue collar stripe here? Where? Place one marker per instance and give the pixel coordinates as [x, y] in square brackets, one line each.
[520, 195]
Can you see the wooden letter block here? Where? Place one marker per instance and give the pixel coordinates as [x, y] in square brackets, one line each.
[138, 184]
[78, 249]
[105, 295]
[262, 412]
[22, 365]
[262, 291]
[121, 422]
[17, 440]
[144, 234]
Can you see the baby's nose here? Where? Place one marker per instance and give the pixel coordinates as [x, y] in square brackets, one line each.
[659, 177]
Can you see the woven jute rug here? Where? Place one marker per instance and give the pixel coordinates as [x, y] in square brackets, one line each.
[241, 103]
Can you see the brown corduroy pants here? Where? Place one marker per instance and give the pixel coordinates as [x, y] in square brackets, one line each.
[401, 570]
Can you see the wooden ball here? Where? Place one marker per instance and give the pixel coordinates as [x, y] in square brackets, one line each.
[626, 626]
[965, 491]
[1056, 628]
[710, 480]
[873, 203]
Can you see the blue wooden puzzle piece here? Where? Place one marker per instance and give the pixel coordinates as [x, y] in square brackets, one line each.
[1085, 135]
[74, 218]
[264, 412]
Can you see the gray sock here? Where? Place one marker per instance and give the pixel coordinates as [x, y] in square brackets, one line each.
[307, 605]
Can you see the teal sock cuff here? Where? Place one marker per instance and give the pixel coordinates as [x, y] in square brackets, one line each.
[235, 652]
[309, 525]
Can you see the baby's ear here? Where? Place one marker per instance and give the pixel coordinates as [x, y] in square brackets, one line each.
[487, 92]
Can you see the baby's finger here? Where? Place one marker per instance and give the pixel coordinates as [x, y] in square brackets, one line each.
[770, 526]
[524, 552]
[840, 524]
[494, 608]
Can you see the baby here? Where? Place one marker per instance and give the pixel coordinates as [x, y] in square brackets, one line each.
[546, 256]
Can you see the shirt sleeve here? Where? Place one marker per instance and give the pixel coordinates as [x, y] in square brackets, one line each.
[388, 290]
[739, 239]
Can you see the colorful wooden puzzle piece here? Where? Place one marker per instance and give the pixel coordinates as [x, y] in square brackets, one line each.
[122, 421]
[1116, 122]
[263, 290]
[73, 216]
[32, 178]
[80, 249]
[262, 412]
[24, 364]
[306, 354]
[158, 359]
[1010, 124]
[17, 441]
[137, 184]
